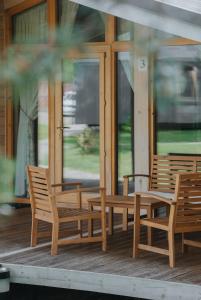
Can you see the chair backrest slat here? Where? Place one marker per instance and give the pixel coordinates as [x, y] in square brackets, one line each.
[165, 167]
[40, 189]
[188, 198]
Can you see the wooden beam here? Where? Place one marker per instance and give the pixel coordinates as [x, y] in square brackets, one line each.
[21, 6]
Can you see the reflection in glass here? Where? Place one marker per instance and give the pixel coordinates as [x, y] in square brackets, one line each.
[81, 121]
[125, 117]
[178, 100]
[84, 22]
[31, 26]
[125, 30]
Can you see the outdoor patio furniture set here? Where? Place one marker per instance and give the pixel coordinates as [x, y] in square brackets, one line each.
[174, 184]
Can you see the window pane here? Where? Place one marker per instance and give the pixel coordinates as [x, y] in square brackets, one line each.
[86, 23]
[31, 26]
[125, 117]
[178, 100]
[81, 121]
[43, 124]
[125, 30]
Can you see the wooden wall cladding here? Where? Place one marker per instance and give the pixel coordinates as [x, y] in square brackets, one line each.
[2, 90]
[11, 3]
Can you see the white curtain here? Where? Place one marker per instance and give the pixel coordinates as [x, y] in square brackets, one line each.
[28, 101]
[31, 25]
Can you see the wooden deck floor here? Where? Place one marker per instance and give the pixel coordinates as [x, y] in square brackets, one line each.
[87, 267]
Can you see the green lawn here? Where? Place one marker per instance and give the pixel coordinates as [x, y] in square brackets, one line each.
[169, 141]
[179, 141]
[42, 131]
[76, 159]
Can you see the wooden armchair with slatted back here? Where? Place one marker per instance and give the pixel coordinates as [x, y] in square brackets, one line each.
[45, 208]
[162, 180]
[184, 216]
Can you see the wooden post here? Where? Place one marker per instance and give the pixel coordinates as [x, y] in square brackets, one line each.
[141, 109]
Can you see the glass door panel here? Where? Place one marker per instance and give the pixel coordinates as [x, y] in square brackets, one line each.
[125, 117]
[81, 121]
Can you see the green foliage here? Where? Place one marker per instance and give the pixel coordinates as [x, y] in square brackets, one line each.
[87, 140]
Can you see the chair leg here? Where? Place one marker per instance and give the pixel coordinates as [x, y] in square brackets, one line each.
[125, 219]
[184, 248]
[34, 232]
[110, 220]
[90, 222]
[149, 229]
[171, 249]
[80, 227]
[104, 231]
[55, 236]
[136, 228]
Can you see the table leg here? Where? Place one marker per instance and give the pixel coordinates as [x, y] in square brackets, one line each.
[149, 229]
[90, 222]
[110, 220]
[125, 219]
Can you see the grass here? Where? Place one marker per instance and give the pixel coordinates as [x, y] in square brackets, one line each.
[42, 131]
[169, 141]
[179, 141]
[169, 136]
[76, 159]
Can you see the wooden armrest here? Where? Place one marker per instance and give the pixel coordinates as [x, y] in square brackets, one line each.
[136, 175]
[67, 184]
[159, 198]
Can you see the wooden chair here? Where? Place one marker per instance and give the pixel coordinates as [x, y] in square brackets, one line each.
[44, 207]
[184, 216]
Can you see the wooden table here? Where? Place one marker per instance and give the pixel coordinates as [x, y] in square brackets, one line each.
[125, 202]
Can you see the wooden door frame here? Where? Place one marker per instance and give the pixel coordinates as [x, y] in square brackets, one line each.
[100, 52]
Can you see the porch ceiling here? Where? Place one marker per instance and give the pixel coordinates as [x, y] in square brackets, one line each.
[178, 17]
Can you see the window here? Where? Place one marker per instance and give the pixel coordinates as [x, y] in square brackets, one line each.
[178, 100]
[125, 117]
[30, 130]
[31, 25]
[124, 30]
[85, 23]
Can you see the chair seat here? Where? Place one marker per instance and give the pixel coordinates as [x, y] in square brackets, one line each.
[73, 214]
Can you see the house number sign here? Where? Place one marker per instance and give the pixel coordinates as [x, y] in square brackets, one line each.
[142, 64]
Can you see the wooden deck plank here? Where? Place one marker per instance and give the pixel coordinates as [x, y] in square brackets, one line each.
[117, 261]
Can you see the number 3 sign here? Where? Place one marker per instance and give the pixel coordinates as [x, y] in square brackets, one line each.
[142, 64]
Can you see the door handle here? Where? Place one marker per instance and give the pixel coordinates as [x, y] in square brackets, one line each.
[63, 127]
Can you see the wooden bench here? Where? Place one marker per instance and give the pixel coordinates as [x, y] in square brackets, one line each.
[162, 178]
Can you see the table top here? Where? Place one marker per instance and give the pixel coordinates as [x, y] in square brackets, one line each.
[125, 201]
